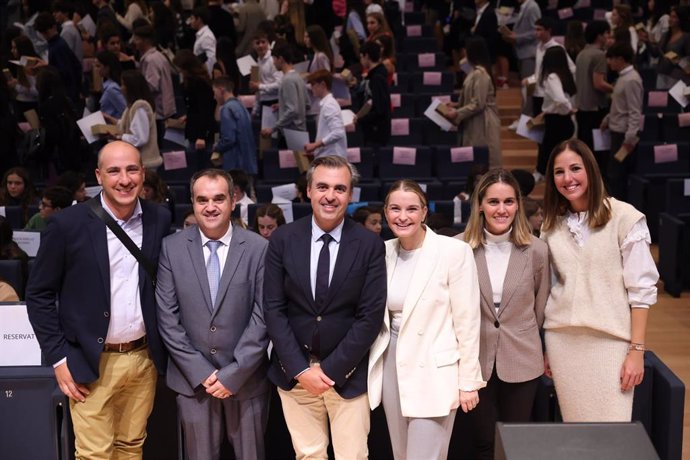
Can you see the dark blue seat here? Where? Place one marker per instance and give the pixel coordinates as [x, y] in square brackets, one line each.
[421, 170]
[11, 272]
[272, 170]
[447, 170]
[415, 131]
[674, 252]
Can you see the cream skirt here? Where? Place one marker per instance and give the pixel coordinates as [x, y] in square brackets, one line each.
[586, 367]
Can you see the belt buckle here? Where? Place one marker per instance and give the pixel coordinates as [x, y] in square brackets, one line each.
[119, 347]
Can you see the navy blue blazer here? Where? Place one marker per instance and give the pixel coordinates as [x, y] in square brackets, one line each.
[68, 292]
[347, 323]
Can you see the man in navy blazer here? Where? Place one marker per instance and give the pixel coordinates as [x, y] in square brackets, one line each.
[92, 308]
[324, 301]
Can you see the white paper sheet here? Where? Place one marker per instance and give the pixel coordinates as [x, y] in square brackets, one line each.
[537, 134]
[88, 25]
[602, 140]
[348, 116]
[245, 64]
[87, 122]
[677, 91]
[175, 136]
[436, 117]
[686, 187]
[356, 194]
[28, 241]
[287, 192]
[3, 212]
[296, 139]
[286, 206]
[18, 344]
[268, 117]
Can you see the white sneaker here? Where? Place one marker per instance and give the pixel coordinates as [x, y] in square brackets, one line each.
[514, 125]
[538, 177]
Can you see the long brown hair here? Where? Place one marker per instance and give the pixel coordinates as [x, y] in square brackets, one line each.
[555, 204]
[520, 233]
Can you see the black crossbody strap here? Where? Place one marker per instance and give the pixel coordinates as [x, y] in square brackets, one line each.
[95, 205]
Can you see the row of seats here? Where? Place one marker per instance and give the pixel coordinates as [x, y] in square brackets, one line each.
[424, 163]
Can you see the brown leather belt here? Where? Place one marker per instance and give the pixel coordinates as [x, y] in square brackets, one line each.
[125, 347]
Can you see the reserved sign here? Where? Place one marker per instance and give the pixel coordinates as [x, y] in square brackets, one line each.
[18, 344]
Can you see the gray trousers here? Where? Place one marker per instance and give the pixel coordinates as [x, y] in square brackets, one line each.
[203, 417]
[411, 438]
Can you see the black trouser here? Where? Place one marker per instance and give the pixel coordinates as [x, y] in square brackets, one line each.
[557, 128]
[500, 401]
[586, 122]
[617, 172]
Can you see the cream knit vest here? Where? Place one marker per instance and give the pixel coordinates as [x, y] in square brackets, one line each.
[590, 291]
[150, 155]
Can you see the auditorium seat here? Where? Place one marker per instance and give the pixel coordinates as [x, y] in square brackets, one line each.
[677, 201]
[420, 170]
[412, 131]
[11, 272]
[273, 173]
[672, 131]
[447, 170]
[433, 82]
[423, 61]
[648, 159]
[674, 252]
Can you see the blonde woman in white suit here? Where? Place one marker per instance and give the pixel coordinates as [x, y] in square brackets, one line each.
[514, 281]
[424, 363]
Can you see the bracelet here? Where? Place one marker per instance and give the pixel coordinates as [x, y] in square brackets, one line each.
[637, 347]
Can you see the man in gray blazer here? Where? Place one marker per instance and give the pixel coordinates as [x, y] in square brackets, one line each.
[209, 295]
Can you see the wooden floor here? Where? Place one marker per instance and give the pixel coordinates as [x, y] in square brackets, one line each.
[668, 333]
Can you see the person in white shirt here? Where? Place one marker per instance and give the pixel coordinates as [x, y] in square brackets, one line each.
[269, 76]
[241, 189]
[542, 30]
[62, 12]
[330, 133]
[558, 106]
[205, 43]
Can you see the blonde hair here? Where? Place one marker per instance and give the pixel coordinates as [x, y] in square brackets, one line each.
[407, 185]
[521, 231]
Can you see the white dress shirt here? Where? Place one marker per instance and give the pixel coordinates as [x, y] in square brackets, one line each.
[556, 101]
[244, 208]
[330, 129]
[222, 250]
[205, 43]
[269, 78]
[539, 56]
[126, 319]
[316, 245]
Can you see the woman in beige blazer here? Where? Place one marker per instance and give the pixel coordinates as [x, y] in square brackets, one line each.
[514, 276]
[424, 363]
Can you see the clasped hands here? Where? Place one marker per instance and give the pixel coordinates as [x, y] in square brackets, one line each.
[215, 388]
[315, 381]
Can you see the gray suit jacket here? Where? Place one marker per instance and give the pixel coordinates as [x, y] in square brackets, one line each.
[525, 40]
[510, 340]
[230, 335]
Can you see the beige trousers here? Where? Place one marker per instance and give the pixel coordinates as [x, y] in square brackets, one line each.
[111, 423]
[307, 417]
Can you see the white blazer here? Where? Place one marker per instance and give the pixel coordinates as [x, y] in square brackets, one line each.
[438, 342]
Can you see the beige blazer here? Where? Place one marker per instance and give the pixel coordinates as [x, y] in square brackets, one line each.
[510, 341]
[438, 342]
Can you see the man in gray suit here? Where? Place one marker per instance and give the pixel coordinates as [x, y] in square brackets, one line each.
[209, 295]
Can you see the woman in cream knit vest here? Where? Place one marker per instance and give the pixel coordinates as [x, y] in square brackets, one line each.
[605, 281]
[138, 122]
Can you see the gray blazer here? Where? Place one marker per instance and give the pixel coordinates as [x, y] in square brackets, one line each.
[200, 337]
[510, 340]
[525, 40]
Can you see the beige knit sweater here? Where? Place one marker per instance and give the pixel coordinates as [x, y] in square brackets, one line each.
[589, 291]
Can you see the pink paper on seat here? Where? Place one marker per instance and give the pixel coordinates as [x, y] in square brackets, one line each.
[404, 156]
